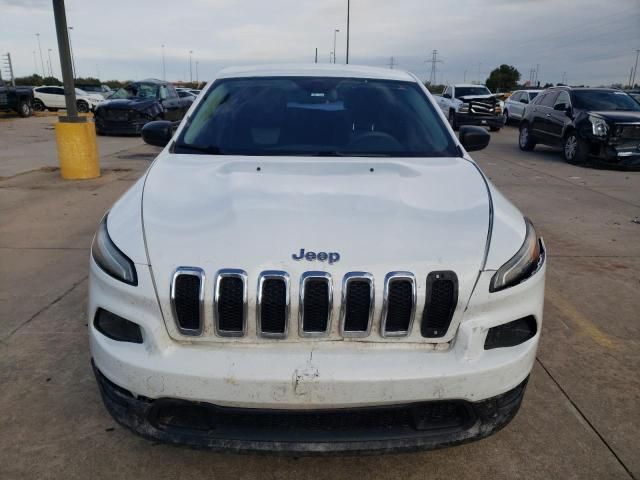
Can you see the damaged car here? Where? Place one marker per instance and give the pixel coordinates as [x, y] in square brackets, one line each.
[130, 108]
[597, 125]
[469, 104]
[315, 264]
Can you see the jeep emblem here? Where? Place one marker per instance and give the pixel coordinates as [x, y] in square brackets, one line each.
[331, 257]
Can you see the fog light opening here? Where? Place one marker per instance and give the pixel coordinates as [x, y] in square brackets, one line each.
[117, 328]
[512, 333]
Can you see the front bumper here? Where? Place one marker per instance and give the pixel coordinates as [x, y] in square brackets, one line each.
[418, 426]
[495, 121]
[111, 127]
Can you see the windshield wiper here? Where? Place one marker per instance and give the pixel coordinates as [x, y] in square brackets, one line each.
[202, 149]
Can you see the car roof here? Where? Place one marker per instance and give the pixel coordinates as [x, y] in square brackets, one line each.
[468, 85]
[316, 70]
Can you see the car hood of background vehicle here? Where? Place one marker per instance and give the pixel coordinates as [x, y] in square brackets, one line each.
[253, 213]
[129, 104]
[618, 116]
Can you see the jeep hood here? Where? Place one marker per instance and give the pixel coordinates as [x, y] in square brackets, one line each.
[254, 213]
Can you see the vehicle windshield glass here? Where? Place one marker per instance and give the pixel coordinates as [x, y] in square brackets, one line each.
[469, 91]
[80, 92]
[604, 100]
[137, 90]
[316, 116]
[533, 95]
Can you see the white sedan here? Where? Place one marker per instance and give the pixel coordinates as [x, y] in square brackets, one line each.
[313, 264]
[52, 98]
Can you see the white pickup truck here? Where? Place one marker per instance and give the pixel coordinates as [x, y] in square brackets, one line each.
[467, 104]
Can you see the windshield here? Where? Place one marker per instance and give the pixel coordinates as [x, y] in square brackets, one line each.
[469, 91]
[604, 100]
[315, 116]
[137, 90]
[80, 93]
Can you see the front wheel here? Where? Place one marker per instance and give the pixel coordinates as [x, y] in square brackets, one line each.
[525, 141]
[38, 106]
[83, 107]
[494, 129]
[574, 149]
[24, 109]
[506, 117]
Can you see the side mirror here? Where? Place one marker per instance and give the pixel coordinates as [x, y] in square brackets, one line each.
[524, 100]
[474, 138]
[446, 95]
[157, 133]
[562, 107]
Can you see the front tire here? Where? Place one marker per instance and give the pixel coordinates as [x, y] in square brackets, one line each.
[83, 107]
[24, 109]
[525, 141]
[494, 129]
[38, 106]
[574, 149]
[506, 117]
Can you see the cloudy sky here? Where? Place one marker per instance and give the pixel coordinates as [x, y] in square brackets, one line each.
[593, 41]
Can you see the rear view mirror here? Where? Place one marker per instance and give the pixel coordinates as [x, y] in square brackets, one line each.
[561, 107]
[157, 133]
[474, 138]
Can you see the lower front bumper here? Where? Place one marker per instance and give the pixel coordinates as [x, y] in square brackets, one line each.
[119, 128]
[416, 426]
[496, 121]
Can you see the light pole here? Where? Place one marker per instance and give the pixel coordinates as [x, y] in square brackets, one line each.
[35, 63]
[73, 59]
[190, 67]
[44, 74]
[335, 32]
[164, 68]
[197, 62]
[50, 63]
[348, 22]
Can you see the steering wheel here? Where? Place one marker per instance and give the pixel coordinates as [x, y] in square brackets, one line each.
[375, 141]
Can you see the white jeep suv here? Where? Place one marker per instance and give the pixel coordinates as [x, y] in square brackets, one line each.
[314, 263]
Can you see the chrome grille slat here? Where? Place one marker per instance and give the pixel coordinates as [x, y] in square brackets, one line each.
[351, 314]
[316, 301]
[228, 305]
[398, 315]
[273, 305]
[187, 300]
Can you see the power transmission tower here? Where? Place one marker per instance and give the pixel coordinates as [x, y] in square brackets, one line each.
[635, 69]
[392, 63]
[8, 67]
[434, 62]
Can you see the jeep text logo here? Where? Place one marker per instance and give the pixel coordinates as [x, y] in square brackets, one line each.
[332, 257]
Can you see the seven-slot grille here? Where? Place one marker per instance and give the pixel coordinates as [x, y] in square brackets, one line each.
[440, 303]
[230, 303]
[187, 300]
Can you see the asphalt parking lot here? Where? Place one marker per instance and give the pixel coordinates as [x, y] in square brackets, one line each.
[580, 417]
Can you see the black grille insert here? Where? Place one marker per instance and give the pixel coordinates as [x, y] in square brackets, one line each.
[230, 305]
[186, 297]
[316, 305]
[273, 307]
[399, 307]
[357, 307]
[441, 301]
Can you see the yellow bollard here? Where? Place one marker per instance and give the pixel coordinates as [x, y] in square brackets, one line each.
[77, 150]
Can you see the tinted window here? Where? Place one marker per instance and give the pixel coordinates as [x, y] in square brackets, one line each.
[603, 100]
[533, 95]
[549, 99]
[563, 98]
[470, 91]
[316, 116]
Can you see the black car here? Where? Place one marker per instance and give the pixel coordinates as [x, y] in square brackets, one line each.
[600, 124]
[16, 99]
[138, 103]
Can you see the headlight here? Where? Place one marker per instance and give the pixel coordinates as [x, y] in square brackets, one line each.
[522, 265]
[109, 257]
[463, 108]
[598, 126]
